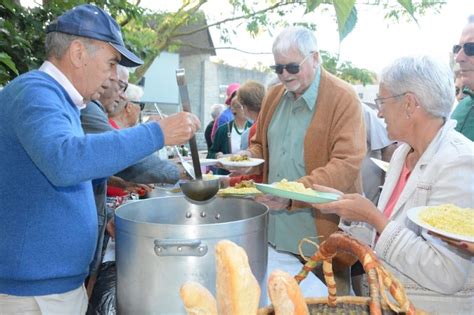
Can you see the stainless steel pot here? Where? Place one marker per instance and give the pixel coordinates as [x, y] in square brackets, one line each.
[163, 242]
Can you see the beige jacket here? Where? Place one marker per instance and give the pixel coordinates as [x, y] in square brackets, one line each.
[334, 144]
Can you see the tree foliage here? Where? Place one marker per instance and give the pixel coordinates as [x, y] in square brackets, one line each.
[22, 30]
[346, 70]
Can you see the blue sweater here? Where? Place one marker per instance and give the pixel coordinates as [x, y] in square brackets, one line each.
[48, 220]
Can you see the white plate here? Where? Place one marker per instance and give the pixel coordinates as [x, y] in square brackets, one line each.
[250, 163]
[413, 216]
[382, 164]
[216, 175]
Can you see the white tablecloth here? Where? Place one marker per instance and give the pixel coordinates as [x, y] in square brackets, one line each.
[311, 286]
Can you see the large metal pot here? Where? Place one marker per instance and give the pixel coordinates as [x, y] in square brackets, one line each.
[163, 242]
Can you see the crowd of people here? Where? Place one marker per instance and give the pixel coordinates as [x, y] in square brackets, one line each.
[71, 132]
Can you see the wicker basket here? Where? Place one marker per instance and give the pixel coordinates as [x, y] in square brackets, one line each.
[381, 283]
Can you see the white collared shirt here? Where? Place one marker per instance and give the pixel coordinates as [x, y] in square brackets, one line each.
[73, 93]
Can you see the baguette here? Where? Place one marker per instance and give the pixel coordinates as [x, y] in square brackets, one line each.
[197, 299]
[238, 292]
[285, 294]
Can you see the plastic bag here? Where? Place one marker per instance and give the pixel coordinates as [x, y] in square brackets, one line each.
[102, 301]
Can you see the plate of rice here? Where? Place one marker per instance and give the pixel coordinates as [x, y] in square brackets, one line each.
[240, 161]
[244, 188]
[447, 220]
[296, 191]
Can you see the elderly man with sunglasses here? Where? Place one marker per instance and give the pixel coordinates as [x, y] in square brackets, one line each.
[464, 56]
[311, 130]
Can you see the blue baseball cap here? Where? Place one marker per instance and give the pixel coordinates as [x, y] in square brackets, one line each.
[92, 22]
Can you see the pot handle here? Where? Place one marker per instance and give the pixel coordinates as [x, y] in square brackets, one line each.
[176, 247]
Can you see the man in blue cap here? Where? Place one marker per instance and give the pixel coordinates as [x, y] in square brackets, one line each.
[48, 231]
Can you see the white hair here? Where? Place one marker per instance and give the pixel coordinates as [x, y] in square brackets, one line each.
[428, 78]
[297, 37]
[217, 109]
[122, 73]
[57, 43]
[134, 93]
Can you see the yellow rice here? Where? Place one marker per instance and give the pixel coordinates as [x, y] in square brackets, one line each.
[209, 176]
[450, 218]
[239, 191]
[295, 187]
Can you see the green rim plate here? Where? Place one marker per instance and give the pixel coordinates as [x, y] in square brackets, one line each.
[322, 197]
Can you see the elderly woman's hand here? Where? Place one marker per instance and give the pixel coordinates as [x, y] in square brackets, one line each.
[273, 202]
[354, 207]
[466, 246]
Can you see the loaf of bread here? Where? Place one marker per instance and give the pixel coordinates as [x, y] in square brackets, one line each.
[285, 294]
[238, 292]
[197, 299]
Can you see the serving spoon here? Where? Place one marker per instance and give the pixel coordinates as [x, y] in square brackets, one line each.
[196, 189]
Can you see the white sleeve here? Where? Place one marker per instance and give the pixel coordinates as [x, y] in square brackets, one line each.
[426, 259]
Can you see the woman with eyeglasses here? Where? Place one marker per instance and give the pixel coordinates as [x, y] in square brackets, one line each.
[433, 166]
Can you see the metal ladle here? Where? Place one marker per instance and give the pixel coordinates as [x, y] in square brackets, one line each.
[197, 189]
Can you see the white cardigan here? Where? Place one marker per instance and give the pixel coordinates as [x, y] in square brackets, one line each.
[438, 277]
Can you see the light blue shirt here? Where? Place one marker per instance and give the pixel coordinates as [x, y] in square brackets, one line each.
[286, 148]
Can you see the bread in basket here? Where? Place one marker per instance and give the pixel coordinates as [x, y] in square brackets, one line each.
[238, 292]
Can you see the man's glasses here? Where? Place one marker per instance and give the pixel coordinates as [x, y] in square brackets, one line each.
[292, 68]
[468, 49]
[381, 100]
[123, 85]
[141, 104]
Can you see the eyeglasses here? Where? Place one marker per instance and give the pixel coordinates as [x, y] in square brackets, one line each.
[468, 49]
[292, 68]
[123, 85]
[380, 100]
[141, 104]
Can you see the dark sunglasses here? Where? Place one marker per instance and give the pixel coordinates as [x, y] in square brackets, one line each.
[468, 49]
[292, 68]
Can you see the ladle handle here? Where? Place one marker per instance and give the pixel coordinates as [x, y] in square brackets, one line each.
[183, 92]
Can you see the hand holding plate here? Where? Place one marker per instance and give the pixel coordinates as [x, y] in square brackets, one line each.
[464, 245]
[273, 202]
